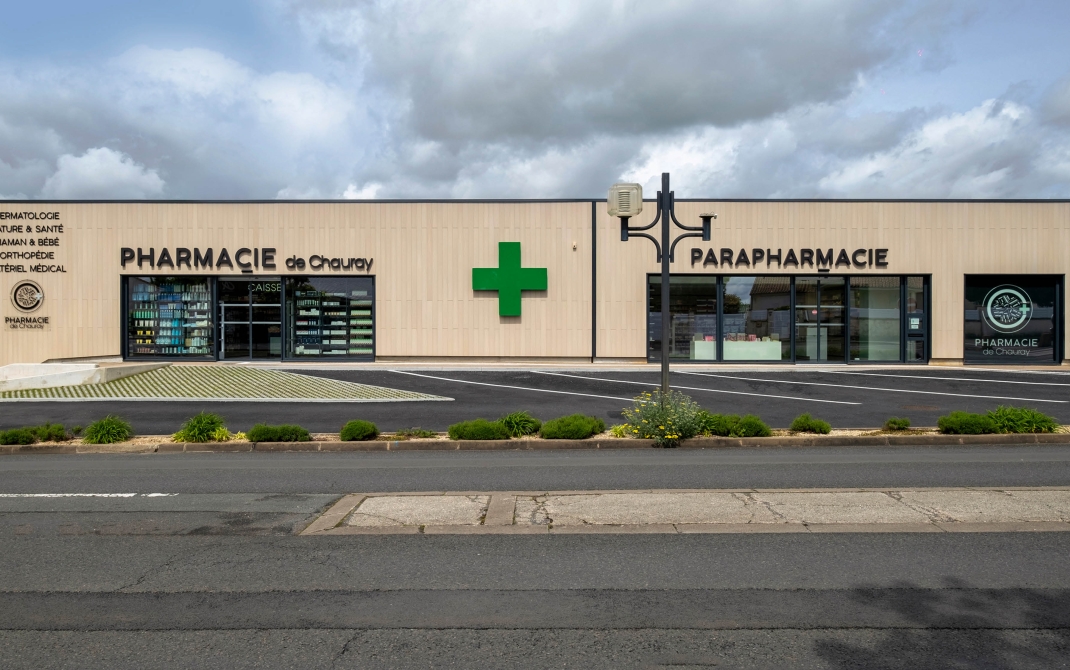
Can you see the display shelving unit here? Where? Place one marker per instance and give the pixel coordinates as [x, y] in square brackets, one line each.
[332, 323]
[169, 316]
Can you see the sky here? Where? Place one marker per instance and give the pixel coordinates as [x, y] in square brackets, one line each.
[323, 99]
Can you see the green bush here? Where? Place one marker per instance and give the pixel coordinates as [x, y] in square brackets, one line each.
[572, 427]
[666, 420]
[751, 426]
[897, 423]
[717, 425]
[415, 432]
[804, 423]
[966, 423]
[520, 424]
[479, 429]
[204, 427]
[621, 430]
[76, 431]
[1022, 420]
[50, 432]
[17, 436]
[108, 430]
[284, 433]
[356, 431]
[732, 425]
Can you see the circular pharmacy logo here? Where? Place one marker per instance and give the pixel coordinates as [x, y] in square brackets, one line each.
[27, 296]
[1007, 308]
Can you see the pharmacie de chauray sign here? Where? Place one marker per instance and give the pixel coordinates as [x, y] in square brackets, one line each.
[821, 259]
[245, 259]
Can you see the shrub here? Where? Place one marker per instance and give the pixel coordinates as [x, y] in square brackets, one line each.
[751, 426]
[108, 430]
[239, 436]
[621, 430]
[356, 431]
[804, 423]
[666, 420]
[732, 425]
[520, 423]
[1021, 420]
[415, 432]
[284, 433]
[221, 434]
[77, 430]
[572, 427]
[50, 432]
[479, 429]
[965, 423]
[202, 428]
[17, 436]
[719, 425]
[896, 423]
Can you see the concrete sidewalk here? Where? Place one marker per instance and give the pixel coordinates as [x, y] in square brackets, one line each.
[699, 511]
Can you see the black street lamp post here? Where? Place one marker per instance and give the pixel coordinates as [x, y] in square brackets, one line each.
[666, 213]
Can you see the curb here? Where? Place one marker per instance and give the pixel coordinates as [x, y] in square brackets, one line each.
[548, 445]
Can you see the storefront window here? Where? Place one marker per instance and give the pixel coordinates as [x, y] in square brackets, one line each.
[693, 326]
[169, 317]
[1011, 319]
[819, 319]
[330, 316]
[875, 318]
[757, 318]
[836, 319]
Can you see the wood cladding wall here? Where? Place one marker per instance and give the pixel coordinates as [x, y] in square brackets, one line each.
[946, 240]
[423, 254]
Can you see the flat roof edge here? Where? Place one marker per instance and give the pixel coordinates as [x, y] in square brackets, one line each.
[1052, 201]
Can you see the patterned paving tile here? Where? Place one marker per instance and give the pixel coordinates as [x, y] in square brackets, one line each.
[222, 382]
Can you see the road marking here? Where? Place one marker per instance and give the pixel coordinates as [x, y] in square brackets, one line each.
[506, 386]
[693, 388]
[870, 388]
[1022, 372]
[946, 379]
[85, 495]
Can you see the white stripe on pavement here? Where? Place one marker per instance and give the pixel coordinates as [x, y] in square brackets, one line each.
[869, 388]
[946, 379]
[693, 388]
[506, 386]
[85, 495]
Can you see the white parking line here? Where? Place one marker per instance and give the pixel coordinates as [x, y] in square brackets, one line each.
[506, 386]
[946, 379]
[85, 495]
[693, 388]
[869, 388]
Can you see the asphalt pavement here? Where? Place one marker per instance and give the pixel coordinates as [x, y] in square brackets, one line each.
[216, 576]
[847, 397]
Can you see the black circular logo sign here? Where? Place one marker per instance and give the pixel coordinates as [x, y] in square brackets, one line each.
[27, 296]
[1007, 309]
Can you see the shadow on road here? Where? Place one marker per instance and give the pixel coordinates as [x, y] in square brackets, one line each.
[957, 627]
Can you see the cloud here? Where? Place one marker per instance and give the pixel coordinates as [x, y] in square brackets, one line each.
[482, 98]
[102, 173]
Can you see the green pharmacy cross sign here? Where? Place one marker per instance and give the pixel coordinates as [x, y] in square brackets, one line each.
[509, 279]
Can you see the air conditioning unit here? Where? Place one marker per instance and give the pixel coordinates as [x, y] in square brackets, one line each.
[625, 200]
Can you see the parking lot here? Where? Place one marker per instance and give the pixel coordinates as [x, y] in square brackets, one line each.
[846, 397]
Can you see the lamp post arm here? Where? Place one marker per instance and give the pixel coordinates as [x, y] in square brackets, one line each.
[651, 238]
[672, 213]
[672, 249]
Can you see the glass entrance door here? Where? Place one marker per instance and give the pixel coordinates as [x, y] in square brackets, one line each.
[250, 317]
[819, 319]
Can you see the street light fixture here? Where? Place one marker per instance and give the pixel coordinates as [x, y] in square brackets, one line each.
[626, 201]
